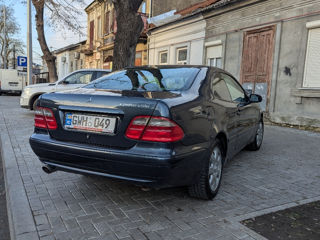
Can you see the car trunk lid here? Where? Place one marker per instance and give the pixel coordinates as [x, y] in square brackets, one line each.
[115, 106]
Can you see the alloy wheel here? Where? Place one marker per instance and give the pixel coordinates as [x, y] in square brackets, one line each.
[259, 135]
[215, 169]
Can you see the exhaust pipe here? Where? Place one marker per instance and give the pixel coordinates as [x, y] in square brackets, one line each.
[48, 169]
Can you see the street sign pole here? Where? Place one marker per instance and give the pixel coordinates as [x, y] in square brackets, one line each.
[29, 43]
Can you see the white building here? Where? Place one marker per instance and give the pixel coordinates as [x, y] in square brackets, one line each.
[178, 42]
[69, 59]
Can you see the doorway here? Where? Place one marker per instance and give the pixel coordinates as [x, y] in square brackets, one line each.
[257, 60]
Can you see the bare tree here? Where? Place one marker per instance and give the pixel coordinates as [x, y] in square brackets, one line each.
[60, 14]
[7, 37]
[129, 28]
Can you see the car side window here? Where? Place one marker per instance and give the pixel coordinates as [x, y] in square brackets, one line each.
[79, 78]
[100, 74]
[236, 92]
[219, 88]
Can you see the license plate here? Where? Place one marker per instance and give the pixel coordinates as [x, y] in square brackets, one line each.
[90, 123]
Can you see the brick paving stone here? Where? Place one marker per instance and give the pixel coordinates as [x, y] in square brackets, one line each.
[70, 206]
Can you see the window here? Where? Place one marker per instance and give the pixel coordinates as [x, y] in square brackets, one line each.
[312, 70]
[113, 21]
[214, 56]
[236, 92]
[79, 78]
[100, 74]
[220, 89]
[163, 57]
[182, 55]
[148, 79]
[99, 27]
[138, 59]
[215, 62]
[107, 23]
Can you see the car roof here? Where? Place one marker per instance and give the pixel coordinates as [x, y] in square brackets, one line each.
[93, 70]
[166, 66]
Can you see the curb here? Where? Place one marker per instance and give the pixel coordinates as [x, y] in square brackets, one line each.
[21, 222]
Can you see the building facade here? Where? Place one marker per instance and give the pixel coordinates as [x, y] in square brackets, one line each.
[271, 46]
[101, 31]
[69, 59]
[178, 43]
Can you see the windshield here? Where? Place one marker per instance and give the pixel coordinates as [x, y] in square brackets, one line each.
[148, 79]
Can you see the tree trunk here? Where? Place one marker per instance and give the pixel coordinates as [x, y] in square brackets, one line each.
[129, 28]
[47, 55]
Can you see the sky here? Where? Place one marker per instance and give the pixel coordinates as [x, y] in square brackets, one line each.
[55, 39]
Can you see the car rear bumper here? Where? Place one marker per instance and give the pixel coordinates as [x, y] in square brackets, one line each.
[11, 91]
[147, 169]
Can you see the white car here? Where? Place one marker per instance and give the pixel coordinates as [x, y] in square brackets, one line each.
[74, 80]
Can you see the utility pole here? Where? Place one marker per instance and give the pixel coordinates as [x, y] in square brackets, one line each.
[14, 56]
[5, 38]
[29, 43]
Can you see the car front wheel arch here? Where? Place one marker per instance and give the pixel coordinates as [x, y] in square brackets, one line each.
[33, 101]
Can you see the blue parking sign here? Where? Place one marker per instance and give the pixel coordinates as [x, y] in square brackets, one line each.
[22, 61]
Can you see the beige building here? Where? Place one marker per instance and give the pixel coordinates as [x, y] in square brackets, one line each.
[101, 30]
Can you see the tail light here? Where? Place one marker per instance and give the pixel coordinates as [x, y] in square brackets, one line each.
[44, 118]
[154, 129]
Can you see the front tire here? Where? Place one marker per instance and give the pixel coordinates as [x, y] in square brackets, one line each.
[257, 142]
[208, 184]
[34, 104]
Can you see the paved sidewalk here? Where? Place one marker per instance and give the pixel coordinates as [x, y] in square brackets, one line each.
[284, 173]
[4, 229]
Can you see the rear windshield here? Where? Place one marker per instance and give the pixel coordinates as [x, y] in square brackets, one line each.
[149, 79]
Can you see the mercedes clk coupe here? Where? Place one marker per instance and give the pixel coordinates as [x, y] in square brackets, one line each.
[154, 126]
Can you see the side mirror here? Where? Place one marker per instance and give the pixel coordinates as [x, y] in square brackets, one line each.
[248, 91]
[255, 98]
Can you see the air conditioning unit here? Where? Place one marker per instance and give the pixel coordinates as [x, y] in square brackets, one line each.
[76, 55]
[63, 59]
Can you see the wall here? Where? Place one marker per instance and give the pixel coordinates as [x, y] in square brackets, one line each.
[189, 33]
[162, 6]
[290, 18]
[71, 64]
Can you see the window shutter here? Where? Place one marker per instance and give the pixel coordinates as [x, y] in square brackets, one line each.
[214, 52]
[114, 21]
[91, 34]
[312, 69]
[106, 23]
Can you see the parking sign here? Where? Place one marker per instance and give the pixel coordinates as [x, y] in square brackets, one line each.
[22, 61]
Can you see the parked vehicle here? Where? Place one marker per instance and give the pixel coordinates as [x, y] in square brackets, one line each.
[74, 80]
[154, 126]
[11, 81]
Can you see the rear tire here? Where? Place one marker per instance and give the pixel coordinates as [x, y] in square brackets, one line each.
[257, 142]
[208, 183]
